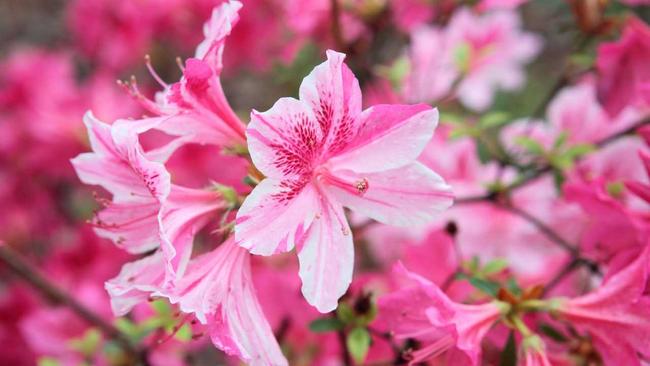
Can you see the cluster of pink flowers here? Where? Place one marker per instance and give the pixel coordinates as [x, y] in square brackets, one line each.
[432, 223]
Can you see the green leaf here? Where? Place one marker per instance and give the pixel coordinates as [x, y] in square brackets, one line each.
[579, 150]
[561, 140]
[485, 286]
[345, 313]
[325, 324]
[48, 361]
[530, 145]
[184, 334]
[509, 353]
[358, 343]
[127, 327]
[494, 266]
[461, 56]
[494, 119]
[88, 343]
[513, 286]
[161, 307]
[483, 152]
[549, 331]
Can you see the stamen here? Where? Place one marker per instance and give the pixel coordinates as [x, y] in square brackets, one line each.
[153, 72]
[179, 62]
[362, 186]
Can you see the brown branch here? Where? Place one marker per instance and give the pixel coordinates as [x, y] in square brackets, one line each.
[336, 25]
[544, 229]
[27, 272]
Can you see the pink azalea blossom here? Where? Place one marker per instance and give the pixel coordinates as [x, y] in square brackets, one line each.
[490, 51]
[481, 53]
[218, 290]
[146, 211]
[195, 109]
[622, 67]
[321, 153]
[451, 333]
[431, 71]
[616, 316]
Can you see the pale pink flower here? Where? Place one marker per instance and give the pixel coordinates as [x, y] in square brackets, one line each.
[147, 211]
[616, 316]
[490, 51]
[451, 332]
[622, 67]
[218, 289]
[320, 153]
[431, 66]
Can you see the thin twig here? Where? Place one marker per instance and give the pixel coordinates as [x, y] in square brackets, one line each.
[336, 25]
[537, 173]
[26, 271]
[568, 269]
[544, 229]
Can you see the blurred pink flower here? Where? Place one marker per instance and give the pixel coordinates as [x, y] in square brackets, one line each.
[616, 316]
[489, 51]
[322, 152]
[451, 333]
[533, 352]
[481, 53]
[622, 67]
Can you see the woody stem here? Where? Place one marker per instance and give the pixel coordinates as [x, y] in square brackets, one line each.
[27, 272]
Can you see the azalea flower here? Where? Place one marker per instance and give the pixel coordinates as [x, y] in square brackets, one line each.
[147, 211]
[622, 67]
[450, 333]
[616, 315]
[321, 153]
[195, 109]
[490, 51]
[217, 288]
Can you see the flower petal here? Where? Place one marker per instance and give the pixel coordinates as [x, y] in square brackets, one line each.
[218, 289]
[275, 216]
[184, 213]
[333, 93]
[411, 195]
[285, 140]
[326, 256]
[135, 283]
[390, 136]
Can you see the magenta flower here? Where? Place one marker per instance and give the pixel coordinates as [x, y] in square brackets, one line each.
[195, 109]
[450, 333]
[616, 315]
[623, 68]
[321, 153]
